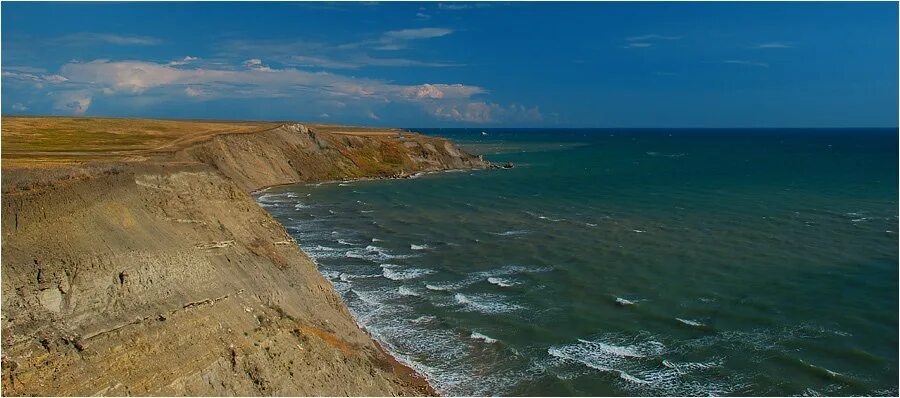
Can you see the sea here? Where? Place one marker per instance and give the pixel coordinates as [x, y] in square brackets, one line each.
[625, 262]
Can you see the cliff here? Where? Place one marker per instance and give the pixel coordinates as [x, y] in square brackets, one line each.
[149, 270]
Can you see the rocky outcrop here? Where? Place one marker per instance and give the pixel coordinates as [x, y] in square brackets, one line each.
[164, 277]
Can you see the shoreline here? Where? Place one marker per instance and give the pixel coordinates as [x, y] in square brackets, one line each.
[112, 298]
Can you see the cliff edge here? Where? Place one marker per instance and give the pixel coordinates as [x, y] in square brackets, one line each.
[145, 267]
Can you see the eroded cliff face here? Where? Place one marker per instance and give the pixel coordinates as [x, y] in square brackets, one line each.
[294, 153]
[164, 277]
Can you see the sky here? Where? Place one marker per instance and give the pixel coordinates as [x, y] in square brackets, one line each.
[458, 64]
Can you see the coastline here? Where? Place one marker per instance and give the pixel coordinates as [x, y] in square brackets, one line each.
[114, 273]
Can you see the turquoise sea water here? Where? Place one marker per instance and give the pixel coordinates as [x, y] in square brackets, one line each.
[626, 262]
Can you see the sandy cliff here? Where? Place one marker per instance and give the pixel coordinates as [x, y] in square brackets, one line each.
[162, 276]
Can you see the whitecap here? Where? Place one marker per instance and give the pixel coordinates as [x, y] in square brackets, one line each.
[638, 231]
[486, 303]
[484, 338]
[511, 233]
[690, 322]
[418, 247]
[500, 282]
[624, 302]
[412, 273]
[406, 291]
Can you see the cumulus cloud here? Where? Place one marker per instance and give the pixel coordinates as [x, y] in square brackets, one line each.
[19, 107]
[192, 92]
[484, 112]
[80, 81]
[441, 91]
[256, 64]
[76, 102]
[184, 61]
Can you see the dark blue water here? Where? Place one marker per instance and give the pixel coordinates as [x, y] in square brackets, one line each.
[627, 262]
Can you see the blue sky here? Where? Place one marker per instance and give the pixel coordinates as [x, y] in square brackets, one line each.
[458, 64]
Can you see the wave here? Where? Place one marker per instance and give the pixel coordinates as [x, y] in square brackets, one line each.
[491, 276]
[624, 302]
[418, 247]
[543, 217]
[642, 369]
[517, 232]
[406, 291]
[345, 242]
[484, 338]
[500, 282]
[375, 253]
[439, 287]
[690, 322]
[486, 303]
[412, 273]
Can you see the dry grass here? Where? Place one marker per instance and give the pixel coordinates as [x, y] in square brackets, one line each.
[35, 141]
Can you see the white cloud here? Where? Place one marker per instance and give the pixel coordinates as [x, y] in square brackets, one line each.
[88, 38]
[184, 61]
[744, 62]
[36, 79]
[206, 83]
[398, 39]
[441, 91]
[19, 107]
[324, 115]
[256, 64]
[192, 92]
[638, 45]
[483, 112]
[77, 101]
[372, 115]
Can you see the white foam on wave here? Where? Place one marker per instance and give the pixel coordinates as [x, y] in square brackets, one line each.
[690, 322]
[319, 251]
[639, 231]
[406, 274]
[500, 282]
[406, 291]
[478, 336]
[624, 302]
[418, 247]
[641, 367]
[345, 242]
[516, 232]
[486, 303]
[374, 253]
[492, 276]
[299, 206]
